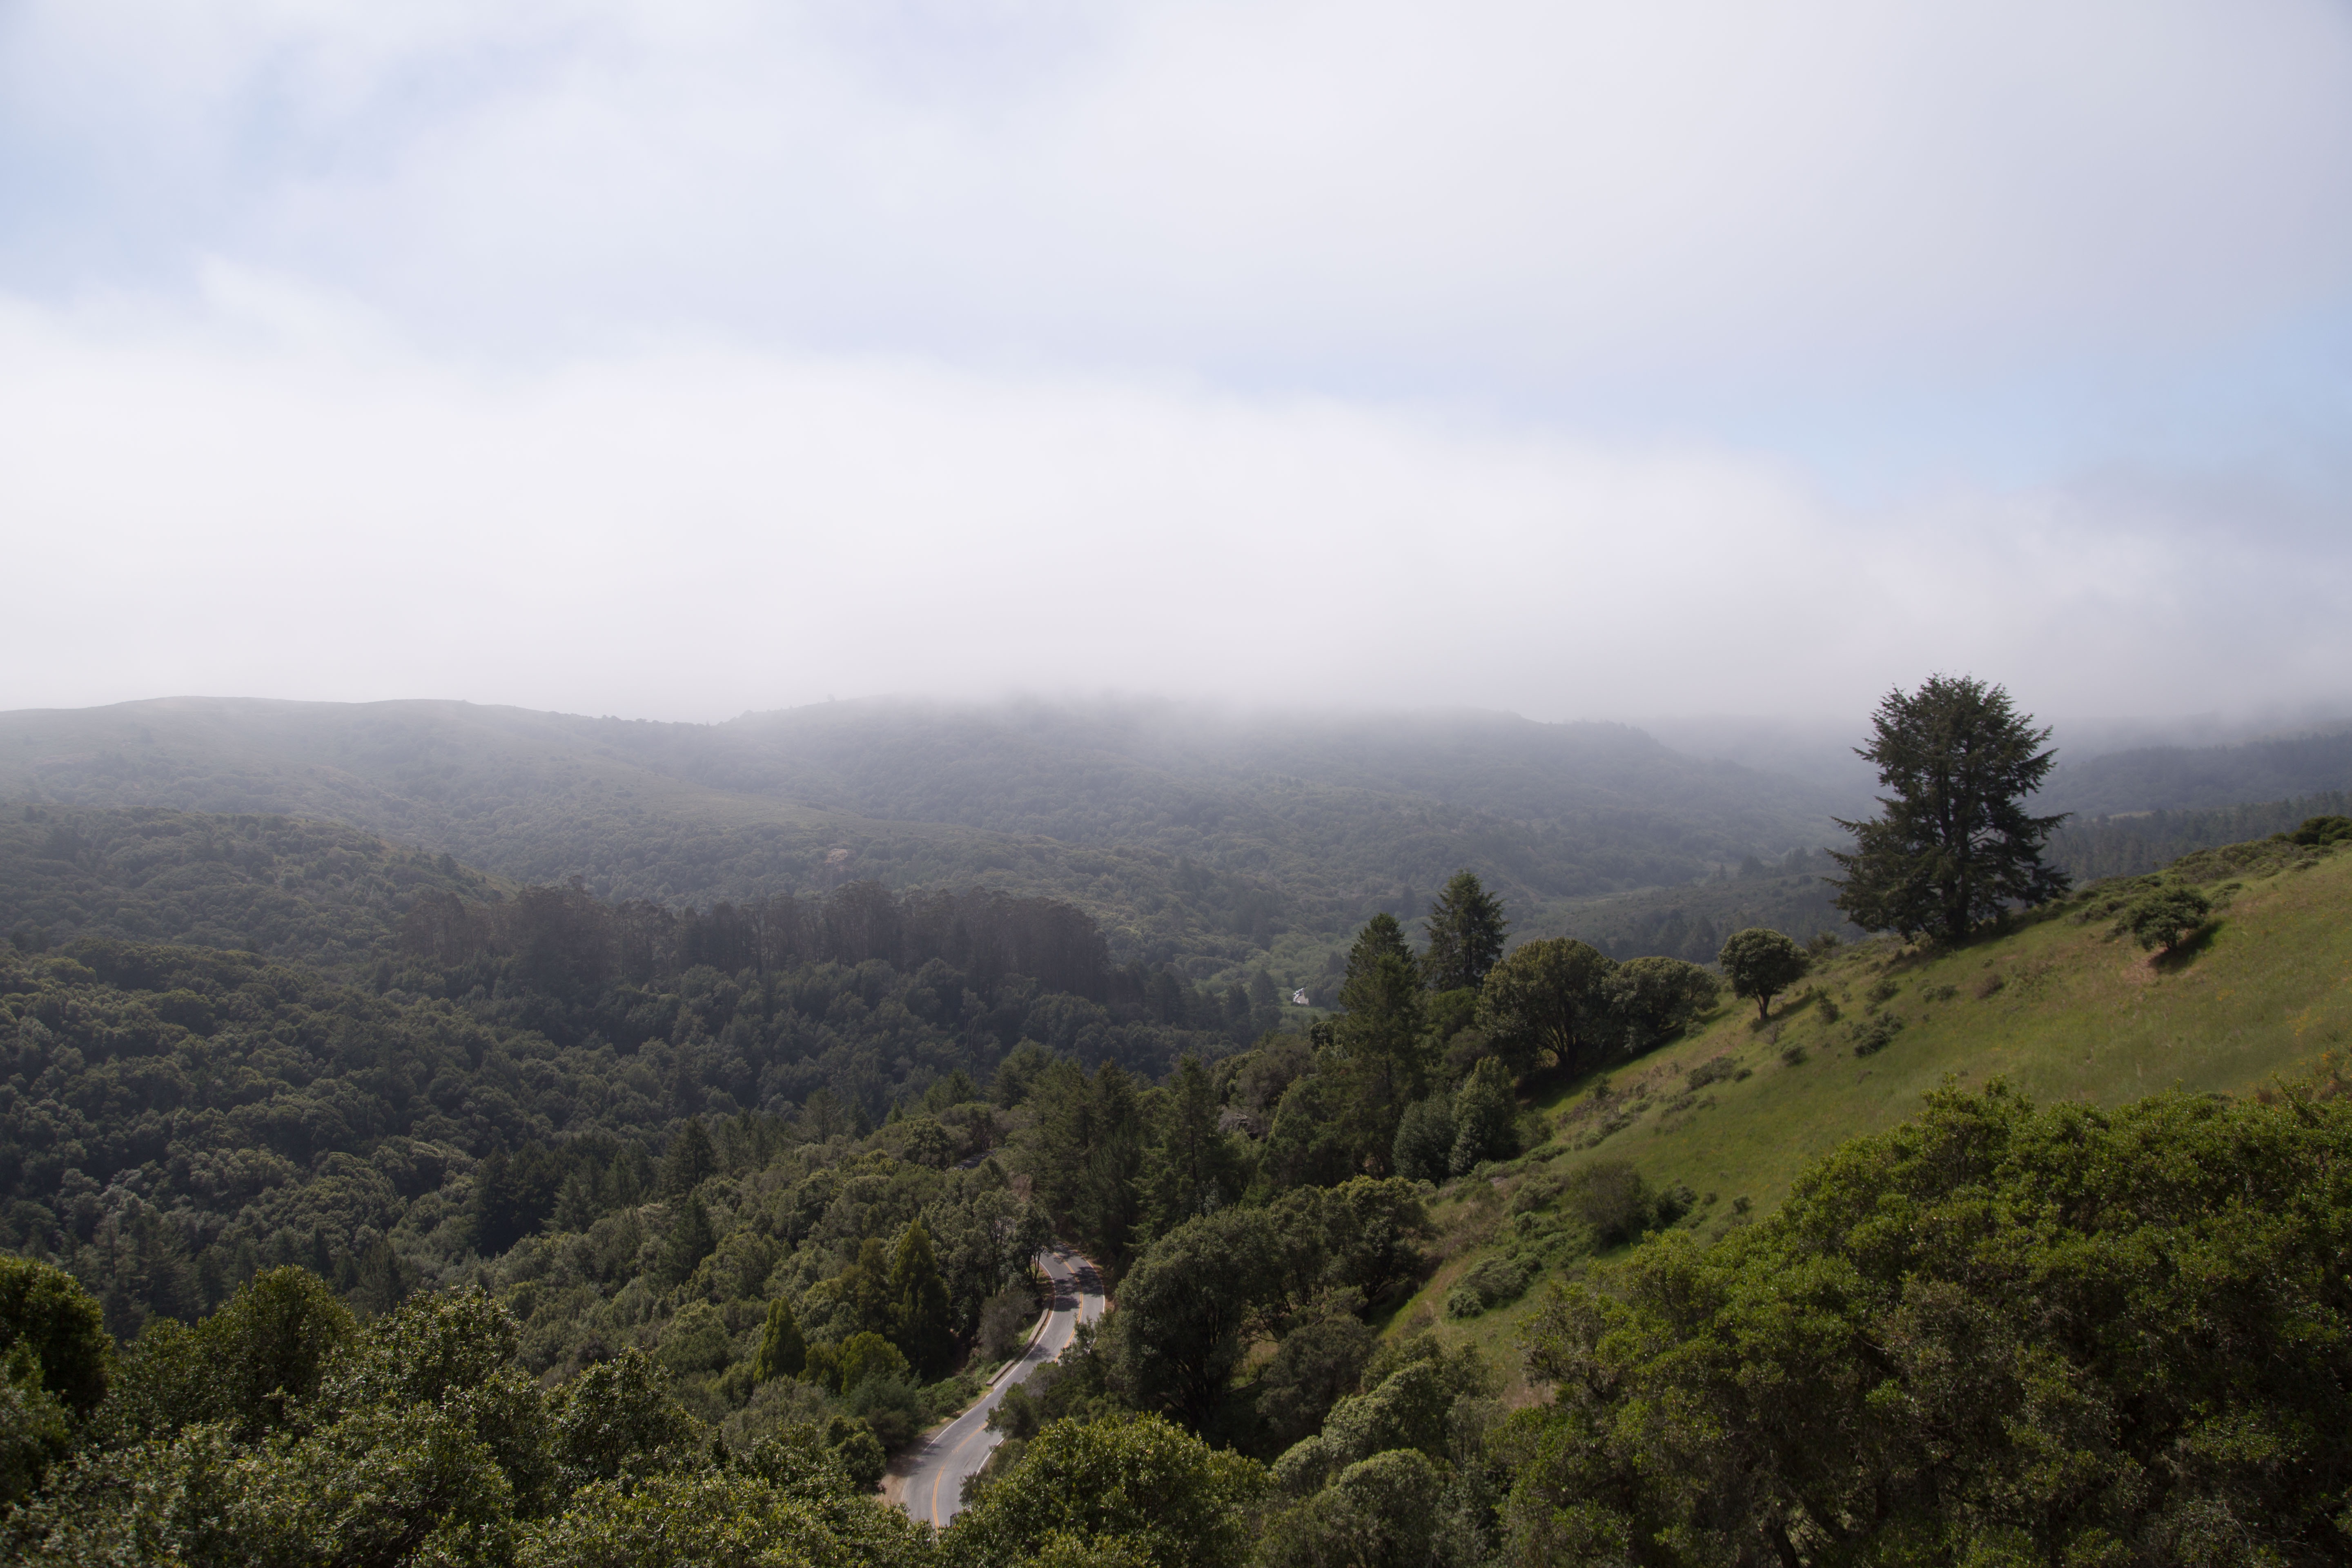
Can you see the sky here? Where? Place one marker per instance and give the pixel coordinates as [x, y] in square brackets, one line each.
[673, 358]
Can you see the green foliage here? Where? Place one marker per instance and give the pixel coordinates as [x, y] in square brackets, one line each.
[2090, 847]
[691, 1160]
[315, 892]
[35, 1428]
[2322, 830]
[691, 1239]
[1086, 1154]
[1546, 1002]
[49, 1315]
[1954, 845]
[1485, 1115]
[1760, 965]
[2066, 1332]
[1136, 1484]
[1377, 1043]
[718, 1519]
[1465, 927]
[782, 1352]
[1424, 1140]
[1654, 999]
[616, 1418]
[1193, 1167]
[1124, 810]
[2166, 918]
[250, 1366]
[918, 1305]
[1315, 1365]
[1184, 1307]
[1380, 1513]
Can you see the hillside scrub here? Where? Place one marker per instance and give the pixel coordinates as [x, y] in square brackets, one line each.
[2062, 1333]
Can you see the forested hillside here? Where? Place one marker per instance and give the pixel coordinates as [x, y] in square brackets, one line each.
[559, 1244]
[173, 1117]
[2202, 778]
[1216, 841]
[291, 888]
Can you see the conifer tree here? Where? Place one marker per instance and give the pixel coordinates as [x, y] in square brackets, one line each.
[919, 1299]
[691, 1160]
[1192, 1168]
[1381, 1056]
[1465, 927]
[782, 1352]
[691, 1240]
[1954, 845]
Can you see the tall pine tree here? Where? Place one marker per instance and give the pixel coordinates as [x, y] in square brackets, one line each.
[919, 1304]
[782, 1352]
[1954, 845]
[691, 1160]
[1465, 928]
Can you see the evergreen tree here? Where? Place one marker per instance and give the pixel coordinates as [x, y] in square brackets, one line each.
[782, 1352]
[918, 1300]
[1465, 928]
[1424, 1139]
[1190, 1170]
[575, 1204]
[1377, 1040]
[1954, 845]
[1089, 1168]
[691, 1240]
[691, 1160]
[1484, 1118]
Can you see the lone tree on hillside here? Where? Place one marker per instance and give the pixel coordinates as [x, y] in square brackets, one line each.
[1465, 928]
[1955, 845]
[1760, 963]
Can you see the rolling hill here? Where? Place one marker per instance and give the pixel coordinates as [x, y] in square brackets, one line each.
[1216, 840]
[2062, 1008]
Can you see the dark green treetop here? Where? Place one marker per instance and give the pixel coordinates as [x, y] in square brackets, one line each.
[1955, 845]
[1466, 927]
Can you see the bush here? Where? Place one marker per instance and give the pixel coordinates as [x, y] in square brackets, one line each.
[2321, 830]
[1491, 1284]
[1875, 1036]
[1006, 1320]
[2163, 920]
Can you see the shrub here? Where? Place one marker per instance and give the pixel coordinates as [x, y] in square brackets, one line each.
[1876, 1035]
[2164, 919]
[1713, 1071]
[2321, 830]
[1491, 1284]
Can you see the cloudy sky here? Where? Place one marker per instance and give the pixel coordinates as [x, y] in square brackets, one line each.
[671, 358]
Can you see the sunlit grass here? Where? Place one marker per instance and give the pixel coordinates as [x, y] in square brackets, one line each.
[2060, 1009]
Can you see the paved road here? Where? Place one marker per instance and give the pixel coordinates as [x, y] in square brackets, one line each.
[933, 1487]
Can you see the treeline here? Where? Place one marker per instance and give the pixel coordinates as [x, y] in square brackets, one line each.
[173, 1119]
[312, 892]
[571, 946]
[2093, 848]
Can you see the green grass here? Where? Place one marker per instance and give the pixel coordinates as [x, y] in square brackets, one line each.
[2060, 1009]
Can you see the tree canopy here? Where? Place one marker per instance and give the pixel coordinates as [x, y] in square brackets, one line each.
[1954, 845]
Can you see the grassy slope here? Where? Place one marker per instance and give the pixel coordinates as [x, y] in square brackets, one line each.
[2078, 1014]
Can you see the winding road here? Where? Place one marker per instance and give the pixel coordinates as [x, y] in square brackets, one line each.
[933, 1486]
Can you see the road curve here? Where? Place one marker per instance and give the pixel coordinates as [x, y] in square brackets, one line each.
[933, 1486]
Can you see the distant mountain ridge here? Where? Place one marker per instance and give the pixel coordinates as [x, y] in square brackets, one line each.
[1189, 834]
[2204, 778]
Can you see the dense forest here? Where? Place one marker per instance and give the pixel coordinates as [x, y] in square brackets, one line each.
[1218, 843]
[572, 1229]
[2202, 778]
